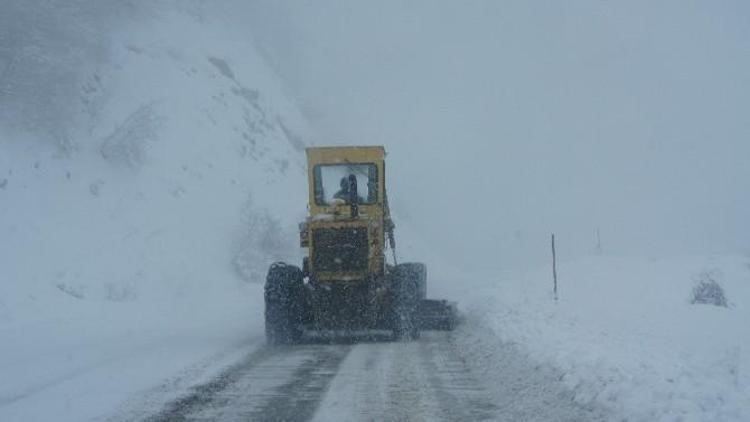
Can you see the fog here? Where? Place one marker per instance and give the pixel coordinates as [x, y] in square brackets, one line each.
[506, 121]
[152, 170]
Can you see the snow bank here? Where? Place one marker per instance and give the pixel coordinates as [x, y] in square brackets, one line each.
[625, 334]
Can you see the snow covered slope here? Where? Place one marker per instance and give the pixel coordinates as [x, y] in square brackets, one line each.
[176, 138]
[624, 333]
[136, 223]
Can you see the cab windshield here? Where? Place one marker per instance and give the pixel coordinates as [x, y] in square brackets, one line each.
[332, 183]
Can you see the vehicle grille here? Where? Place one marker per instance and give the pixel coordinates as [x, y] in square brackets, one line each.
[340, 250]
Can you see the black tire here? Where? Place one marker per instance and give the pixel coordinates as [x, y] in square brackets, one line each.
[416, 271]
[407, 283]
[285, 304]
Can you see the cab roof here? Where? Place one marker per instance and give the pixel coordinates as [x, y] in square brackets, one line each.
[351, 154]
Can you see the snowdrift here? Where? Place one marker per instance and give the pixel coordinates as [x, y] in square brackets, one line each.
[624, 333]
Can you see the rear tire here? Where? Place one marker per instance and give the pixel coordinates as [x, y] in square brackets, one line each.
[285, 304]
[417, 272]
[408, 288]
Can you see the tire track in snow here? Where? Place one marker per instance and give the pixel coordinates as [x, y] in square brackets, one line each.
[423, 380]
[298, 399]
[203, 394]
[441, 377]
[460, 395]
[150, 401]
[271, 384]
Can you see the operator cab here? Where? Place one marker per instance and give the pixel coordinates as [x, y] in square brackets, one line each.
[347, 183]
[342, 182]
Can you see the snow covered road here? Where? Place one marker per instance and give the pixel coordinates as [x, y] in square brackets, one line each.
[517, 356]
[269, 384]
[430, 379]
[423, 380]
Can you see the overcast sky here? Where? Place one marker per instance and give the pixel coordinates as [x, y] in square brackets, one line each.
[507, 120]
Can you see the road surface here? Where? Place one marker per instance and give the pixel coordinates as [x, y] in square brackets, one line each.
[431, 379]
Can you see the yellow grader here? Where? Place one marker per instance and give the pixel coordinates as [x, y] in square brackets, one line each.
[345, 283]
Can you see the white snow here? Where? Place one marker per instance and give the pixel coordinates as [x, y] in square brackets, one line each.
[136, 250]
[134, 240]
[623, 332]
[85, 361]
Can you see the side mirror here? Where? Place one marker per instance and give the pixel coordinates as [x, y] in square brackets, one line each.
[353, 196]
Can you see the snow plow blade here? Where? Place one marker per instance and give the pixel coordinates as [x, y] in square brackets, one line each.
[437, 315]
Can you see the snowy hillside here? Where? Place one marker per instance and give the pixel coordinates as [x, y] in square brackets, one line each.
[153, 205]
[174, 139]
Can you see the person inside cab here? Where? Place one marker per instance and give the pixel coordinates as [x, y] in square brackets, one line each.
[344, 193]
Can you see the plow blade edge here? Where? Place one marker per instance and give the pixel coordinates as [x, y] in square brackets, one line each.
[437, 315]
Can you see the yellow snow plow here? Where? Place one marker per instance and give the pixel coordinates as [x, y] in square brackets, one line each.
[346, 282]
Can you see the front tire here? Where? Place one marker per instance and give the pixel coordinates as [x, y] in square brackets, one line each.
[284, 300]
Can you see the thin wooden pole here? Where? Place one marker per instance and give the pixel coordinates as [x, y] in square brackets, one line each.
[554, 267]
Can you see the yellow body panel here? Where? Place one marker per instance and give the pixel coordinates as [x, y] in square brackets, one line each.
[374, 218]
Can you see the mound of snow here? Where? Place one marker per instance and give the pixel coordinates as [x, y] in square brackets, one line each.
[625, 334]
